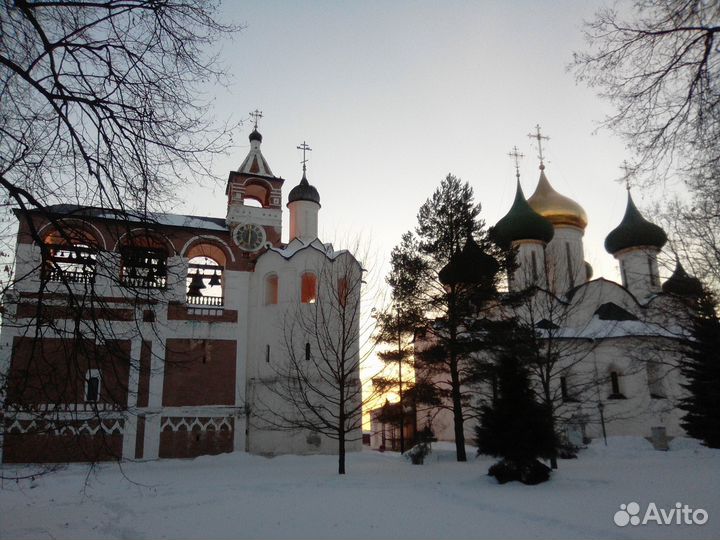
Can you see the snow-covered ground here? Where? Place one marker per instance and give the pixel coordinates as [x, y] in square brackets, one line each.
[382, 496]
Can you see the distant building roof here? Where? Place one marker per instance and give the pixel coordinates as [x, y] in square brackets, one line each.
[153, 218]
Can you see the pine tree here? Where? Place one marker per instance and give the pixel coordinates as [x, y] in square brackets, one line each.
[701, 369]
[514, 426]
[448, 272]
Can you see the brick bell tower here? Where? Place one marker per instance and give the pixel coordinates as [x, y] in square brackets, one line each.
[254, 213]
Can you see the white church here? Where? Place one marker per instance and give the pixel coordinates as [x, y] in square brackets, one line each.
[614, 345]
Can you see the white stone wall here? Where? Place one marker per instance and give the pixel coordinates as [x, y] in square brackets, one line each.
[566, 259]
[303, 220]
[639, 271]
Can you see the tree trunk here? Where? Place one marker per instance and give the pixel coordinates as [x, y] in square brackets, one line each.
[341, 453]
[548, 402]
[457, 410]
[402, 411]
[455, 382]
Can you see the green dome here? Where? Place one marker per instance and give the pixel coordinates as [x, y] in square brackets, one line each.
[521, 223]
[634, 231]
[682, 284]
[471, 265]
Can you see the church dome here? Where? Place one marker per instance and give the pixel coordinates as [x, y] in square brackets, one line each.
[634, 231]
[471, 265]
[255, 136]
[521, 223]
[304, 192]
[682, 284]
[558, 209]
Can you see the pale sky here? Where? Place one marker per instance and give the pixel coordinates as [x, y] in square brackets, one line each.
[393, 96]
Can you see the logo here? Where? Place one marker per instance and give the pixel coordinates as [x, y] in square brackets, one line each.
[680, 514]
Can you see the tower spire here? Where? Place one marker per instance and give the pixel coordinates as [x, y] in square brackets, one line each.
[540, 139]
[517, 156]
[305, 148]
[256, 115]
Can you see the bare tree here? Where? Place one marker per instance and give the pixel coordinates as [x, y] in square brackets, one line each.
[316, 386]
[658, 63]
[694, 231]
[102, 106]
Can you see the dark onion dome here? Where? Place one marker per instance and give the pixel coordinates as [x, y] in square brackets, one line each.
[521, 223]
[634, 231]
[682, 284]
[255, 136]
[471, 265]
[304, 192]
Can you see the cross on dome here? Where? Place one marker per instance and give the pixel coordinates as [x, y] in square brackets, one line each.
[540, 139]
[305, 148]
[629, 172]
[256, 115]
[517, 156]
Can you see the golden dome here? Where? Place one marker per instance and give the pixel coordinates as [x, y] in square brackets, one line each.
[558, 209]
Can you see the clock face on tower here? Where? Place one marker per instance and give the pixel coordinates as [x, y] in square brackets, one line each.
[249, 237]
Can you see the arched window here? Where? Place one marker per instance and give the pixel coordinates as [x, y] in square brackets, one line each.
[615, 387]
[652, 270]
[144, 267]
[308, 288]
[92, 385]
[72, 255]
[204, 282]
[271, 289]
[342, 291]
[655, 381]
[144, 260]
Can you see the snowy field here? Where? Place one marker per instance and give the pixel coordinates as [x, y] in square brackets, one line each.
[382, 496]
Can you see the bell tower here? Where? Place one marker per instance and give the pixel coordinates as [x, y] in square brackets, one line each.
[254, 212]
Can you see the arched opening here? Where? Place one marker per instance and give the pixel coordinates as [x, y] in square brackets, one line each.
[308, 288]
[143, 261]
[271, 289]
[72, 255]
[250, 201]
[204, 282]
[342, 291]
[257, 193]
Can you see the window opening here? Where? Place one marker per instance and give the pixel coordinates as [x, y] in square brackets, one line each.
[308, 288]
[651, 271]
[204, 282]
[534, 267]
[92, 386]
[615, 386]
[144, 267]
[75, 264]
[271, 290]
[571, 279]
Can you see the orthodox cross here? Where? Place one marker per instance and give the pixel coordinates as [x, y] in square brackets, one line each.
[517, 156]
[540, 139]
[629, 171]
[256, 115]
[305, 148]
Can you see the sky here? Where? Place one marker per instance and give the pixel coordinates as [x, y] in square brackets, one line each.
[393, 96]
